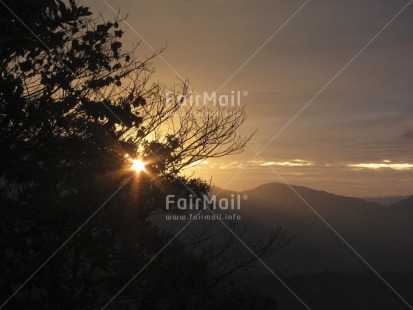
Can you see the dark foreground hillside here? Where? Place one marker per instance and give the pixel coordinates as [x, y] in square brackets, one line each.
[338, 291]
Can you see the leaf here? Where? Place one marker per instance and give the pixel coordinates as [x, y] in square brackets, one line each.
[139, 101]
[115, 46]
[25, 66]
[117, 66]
[138, 121]
[101, 28]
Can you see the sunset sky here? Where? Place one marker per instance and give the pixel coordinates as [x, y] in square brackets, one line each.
[355, 137]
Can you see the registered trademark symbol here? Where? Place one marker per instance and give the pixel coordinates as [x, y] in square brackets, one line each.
[245, 196]
[245, 93]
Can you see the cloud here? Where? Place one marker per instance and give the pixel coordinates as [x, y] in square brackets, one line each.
[292, 163]
[197, 163]
[385, 164]
[253, 164]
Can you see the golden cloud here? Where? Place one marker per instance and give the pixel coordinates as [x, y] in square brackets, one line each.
[385, 164]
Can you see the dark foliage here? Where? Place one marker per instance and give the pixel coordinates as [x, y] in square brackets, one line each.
[73, 106]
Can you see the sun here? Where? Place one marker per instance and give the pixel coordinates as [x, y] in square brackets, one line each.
[138, 165]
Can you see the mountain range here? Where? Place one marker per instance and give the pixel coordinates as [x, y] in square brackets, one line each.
[328, 231]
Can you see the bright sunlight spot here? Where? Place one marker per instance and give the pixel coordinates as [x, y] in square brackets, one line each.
[138, 165]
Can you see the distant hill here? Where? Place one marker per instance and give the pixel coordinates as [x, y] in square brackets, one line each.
[382, 235]
[385, 200]
[405, 203]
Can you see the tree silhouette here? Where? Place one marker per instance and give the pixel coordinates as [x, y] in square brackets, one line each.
[75, 108]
